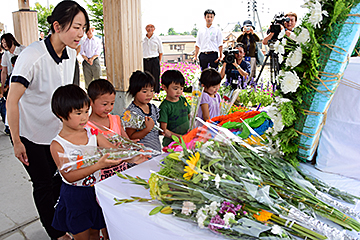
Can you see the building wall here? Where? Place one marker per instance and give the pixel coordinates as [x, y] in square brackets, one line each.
[172, 54]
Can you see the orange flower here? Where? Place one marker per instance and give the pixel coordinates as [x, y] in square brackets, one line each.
[79, 163]
[262, 216]
[127, 116]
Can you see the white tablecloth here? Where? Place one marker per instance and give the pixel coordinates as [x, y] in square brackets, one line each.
[131, 221]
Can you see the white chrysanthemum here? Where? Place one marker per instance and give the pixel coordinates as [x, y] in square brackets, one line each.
[282, 33]
[280, 58]
[316, 14]
[278, 48]
[290, 82]
[227, 217]
[276, 229]
[205, 177]
[271, 111]
[304, 36]
[284, 41]
[217, 180]
[213, 208]
[278, 124]
[201, 217]
[188, 207]
[295, 58]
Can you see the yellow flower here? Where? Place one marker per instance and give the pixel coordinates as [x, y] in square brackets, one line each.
[190, 169]
[262, 216]
[196, 93]
[154, 187]
[127, 116]
[185, 104]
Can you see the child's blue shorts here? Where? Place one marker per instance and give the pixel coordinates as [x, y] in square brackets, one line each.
[77, 210]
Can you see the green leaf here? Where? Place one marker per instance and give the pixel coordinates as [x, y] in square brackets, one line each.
[155, 210]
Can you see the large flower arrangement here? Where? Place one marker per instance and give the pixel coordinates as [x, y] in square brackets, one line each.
[300, 65]
[241, 192]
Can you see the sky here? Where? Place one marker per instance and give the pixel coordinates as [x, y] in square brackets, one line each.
[183, 15]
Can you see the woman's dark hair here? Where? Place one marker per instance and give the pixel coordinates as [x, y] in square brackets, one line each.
[172, 76]
[68, 98]
[209, 11]
[65, 12]
[139, 80]
[100, 87]
[210, 77]
[10, 40]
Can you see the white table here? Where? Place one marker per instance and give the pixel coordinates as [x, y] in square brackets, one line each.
[131, 221]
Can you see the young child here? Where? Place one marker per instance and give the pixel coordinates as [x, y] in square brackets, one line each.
[142, 90]
[174, 114]
[210, 101]
[77, 210]
[102, 98]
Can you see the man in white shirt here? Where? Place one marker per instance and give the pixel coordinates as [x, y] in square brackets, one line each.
[209, 43]
[90, 51]
[152, 54]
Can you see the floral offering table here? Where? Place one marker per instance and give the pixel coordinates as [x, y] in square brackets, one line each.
[132, 221]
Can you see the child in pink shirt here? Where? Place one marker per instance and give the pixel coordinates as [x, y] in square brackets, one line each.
[102, 98]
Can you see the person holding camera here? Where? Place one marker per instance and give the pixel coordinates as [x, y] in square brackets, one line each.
[236, 70]
[249, 39]
[209, 43]
[288, 22]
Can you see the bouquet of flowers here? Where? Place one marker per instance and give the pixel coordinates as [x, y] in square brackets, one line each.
[228, 98]
[86, 157]
[225, 186]
[133, 120]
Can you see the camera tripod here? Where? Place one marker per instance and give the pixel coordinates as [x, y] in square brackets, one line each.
[274, 64]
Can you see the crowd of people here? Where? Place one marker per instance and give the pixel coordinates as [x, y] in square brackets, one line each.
[43, 86]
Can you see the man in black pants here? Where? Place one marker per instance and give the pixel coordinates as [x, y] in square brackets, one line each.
[209, 43]
[152, 54]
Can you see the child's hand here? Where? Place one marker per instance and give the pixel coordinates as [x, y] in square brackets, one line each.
[149, 123]
[138, 159]
[136, 141]
[105, 163]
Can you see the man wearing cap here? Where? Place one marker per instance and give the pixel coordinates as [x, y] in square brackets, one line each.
[209, 43]
[249, 39]
[152, 54]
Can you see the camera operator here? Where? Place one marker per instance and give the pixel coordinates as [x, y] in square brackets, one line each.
[235, 68]
[288, 24]
[249, 39]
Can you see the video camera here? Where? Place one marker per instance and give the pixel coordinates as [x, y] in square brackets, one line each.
[276, 23]
[229, 55]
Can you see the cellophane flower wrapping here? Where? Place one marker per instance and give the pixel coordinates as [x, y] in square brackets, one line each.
[196, 93]
[131, 119]
[89, 156]
[228, 98]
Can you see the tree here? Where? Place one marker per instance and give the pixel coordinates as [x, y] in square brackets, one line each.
[237, 28]
[185, 33]
[194, 31]
[42, 14]
[95, 10]
[171, 31]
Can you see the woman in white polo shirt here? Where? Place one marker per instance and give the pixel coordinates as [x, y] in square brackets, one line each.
[40, 69]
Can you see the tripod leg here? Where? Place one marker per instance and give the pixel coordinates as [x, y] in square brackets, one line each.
[263, 65]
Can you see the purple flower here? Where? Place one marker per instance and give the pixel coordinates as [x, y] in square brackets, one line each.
[229, 207]
[216, 223]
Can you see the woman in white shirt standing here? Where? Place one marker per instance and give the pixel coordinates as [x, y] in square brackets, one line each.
[41, 68]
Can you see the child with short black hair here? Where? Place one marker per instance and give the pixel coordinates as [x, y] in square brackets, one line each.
[77, 210]
[210, 100]
[141, 88]
[174, 114]
[102, 98]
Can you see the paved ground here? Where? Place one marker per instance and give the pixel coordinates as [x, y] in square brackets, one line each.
[18, 217]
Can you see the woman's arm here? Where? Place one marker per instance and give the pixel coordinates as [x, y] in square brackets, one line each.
[222, 72]
[15, 93]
